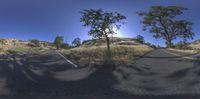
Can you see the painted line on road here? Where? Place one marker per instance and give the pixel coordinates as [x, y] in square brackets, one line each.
[67, 59]
[191, 58]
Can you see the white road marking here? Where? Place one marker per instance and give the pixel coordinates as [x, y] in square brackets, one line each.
[67, 59]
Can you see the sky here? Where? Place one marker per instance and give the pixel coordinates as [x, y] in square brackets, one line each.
[45, 19]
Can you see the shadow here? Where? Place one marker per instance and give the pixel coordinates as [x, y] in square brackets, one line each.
[22, 81]
[135, 68]
[169, 57]
[197, 66]
[179, 74]
[125, 76]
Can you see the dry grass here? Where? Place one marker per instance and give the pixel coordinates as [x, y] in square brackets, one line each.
[22, 50]
[121, 54]
[184, 50]
[195, 46]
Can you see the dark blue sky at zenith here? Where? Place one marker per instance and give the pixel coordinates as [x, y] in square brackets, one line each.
[45, 19]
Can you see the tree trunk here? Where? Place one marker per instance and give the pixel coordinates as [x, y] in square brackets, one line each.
[108, 49]
[169, 43]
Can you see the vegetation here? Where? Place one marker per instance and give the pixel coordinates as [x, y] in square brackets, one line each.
[76, 42]
[101, 24]
[162, 22]
[58, 42]
[34, 43]
[180, 45]
[121, 54]
[139, 39]
[18, 49]
[65, 46]
[150, 45]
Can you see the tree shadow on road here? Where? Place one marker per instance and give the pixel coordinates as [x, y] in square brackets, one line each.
[21, 81]
[161, 57]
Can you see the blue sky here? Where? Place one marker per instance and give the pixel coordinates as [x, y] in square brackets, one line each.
[44, 19]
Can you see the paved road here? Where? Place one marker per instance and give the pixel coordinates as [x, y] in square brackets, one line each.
[161, 74]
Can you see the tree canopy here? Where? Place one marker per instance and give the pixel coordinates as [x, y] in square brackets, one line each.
[76, 42]
[58, 41]
[162, 21]
[102, 24]
[140, 39]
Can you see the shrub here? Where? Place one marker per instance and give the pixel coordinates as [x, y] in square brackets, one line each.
[181, 45]
[65, 46]
[58, 41]
[139, 39]
[34, 43]
[76, 42]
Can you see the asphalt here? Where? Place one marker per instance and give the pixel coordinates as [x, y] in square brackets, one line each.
[159, 74]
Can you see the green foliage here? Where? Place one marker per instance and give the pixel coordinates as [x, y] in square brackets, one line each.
[76, 42]
[181, 45]
[34, 43]
[65, 46]
[162, 22]
[139, 39]
[101, 24]
[58, 41]
[150, 45]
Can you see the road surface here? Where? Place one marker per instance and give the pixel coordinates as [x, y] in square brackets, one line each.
[160, 74]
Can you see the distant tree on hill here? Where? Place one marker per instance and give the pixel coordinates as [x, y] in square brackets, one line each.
[58, 41]
[139, 39]
[76, 42]
[45, 44]
[162, 22]
[102, 24]
[34, 43]
[181, 45]
[65, 46]
[149, 44]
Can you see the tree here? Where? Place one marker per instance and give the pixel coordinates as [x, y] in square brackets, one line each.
[65, 46]
[139, 39]
[34, 43]
[102, 24]
[163, 23]
[58, 41]
[182, 45]
[76, 42]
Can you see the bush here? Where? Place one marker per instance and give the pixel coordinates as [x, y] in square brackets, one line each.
[65, 46]
[139, 39]
[34, 43]
[58, 42]
[76, 42]
[181, 45]
[150, 45]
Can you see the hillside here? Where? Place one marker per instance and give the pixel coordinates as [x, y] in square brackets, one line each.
[124, 51]
[195, 45]
[113, 41]
[7, 45]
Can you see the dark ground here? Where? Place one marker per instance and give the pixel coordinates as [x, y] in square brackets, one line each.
[157, 75]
